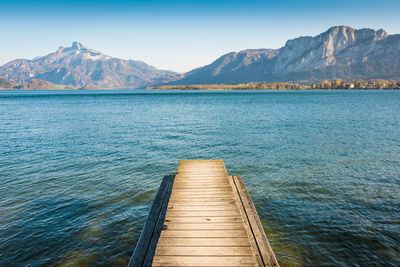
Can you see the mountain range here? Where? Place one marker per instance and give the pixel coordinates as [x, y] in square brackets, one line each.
[339, 52]
[83, 67]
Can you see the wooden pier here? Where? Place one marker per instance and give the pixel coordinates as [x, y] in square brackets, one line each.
[203, 217]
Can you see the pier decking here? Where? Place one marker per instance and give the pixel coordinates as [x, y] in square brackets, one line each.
[203, 217]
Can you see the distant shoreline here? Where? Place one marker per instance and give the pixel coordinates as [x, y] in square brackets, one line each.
[308, 89]
[337, 84]
[196, 89]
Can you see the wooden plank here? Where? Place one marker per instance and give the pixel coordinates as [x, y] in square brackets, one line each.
[208, 195]
[188, 206]
[194, 187]
[207, 170]
[202, 182]
[222, 201]
[197, 162]
[207, 167]
[203, 163]
[203, 198]
[228, 207]
[203, 219]
[200, 162]
[204, 226]
[198, 204]
[201, 175]
[246, 224]
[202, 179]
[201, 242]
[140, 252]
[207, 213]
[158, 226]
[201, 171]
[202, 192]
[265, 250]
[223, 190]
[204, 251]
[204, 261]
[198, 176]
[204, 233]
[199, 180]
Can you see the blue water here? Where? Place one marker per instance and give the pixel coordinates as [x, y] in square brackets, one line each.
[79, 170]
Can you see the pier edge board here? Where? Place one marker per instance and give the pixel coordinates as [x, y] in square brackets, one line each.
[149, 233]
[265, 249]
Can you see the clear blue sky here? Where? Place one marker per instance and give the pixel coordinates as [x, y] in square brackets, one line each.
[178, 35]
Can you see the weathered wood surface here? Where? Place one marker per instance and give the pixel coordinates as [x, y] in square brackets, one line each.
[207, 219]
[267, 255]
[144, 251]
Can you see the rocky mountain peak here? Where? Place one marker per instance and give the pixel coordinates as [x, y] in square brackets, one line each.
[381, 33]
[340, 29]
[77, 49]
[349, 33]
[77, 45]
[80, 48]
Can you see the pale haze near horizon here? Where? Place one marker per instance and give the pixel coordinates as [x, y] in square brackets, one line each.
[178, 35]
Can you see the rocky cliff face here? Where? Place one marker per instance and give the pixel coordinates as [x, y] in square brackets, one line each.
[340, 52]
[84, 67]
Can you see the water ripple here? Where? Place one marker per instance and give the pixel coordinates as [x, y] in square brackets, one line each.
[79, 170]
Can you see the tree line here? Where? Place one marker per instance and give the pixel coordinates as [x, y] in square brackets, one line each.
[332, 84]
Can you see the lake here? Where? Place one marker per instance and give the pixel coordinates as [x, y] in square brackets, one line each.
[79, 170]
